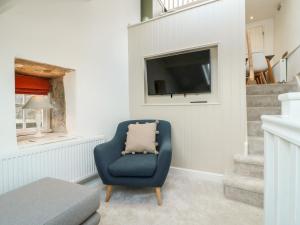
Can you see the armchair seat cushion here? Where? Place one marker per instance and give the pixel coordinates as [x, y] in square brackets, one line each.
[138, 165]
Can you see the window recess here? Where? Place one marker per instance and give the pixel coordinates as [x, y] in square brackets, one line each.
[35, 78]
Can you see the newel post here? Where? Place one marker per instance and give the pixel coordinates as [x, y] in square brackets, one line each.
[290, 105]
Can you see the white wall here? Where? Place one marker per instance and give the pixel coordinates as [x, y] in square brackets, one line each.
[287, 29]
[205, 137]
[268, 29]
[89, 36]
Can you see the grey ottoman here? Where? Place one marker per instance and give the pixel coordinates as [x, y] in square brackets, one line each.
[50, 202]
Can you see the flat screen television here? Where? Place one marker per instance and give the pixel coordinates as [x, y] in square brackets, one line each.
[181, 73]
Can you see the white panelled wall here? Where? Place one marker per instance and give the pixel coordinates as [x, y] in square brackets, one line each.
[205, 136]
[282, 163]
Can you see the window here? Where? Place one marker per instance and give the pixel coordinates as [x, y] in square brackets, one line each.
[25, 118]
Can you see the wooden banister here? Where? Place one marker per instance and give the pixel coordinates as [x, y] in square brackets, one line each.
[251, 79]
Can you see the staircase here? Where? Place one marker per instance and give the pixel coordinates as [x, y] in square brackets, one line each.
[246, 183]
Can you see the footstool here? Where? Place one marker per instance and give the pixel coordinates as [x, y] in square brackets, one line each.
[50, 202]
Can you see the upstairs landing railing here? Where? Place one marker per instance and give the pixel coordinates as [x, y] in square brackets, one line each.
[173, 4]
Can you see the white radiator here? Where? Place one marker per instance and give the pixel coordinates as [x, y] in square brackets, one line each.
[279, 70]
[70, 160]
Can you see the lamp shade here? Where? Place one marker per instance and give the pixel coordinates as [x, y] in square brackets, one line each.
[38, 102]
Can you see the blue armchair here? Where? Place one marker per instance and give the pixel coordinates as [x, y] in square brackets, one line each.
[139, 170]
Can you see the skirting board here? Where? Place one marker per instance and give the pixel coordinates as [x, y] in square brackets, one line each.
[207, 176]
[203, 175]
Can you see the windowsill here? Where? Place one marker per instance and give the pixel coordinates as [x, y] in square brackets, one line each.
[48, 138]
[31, 132]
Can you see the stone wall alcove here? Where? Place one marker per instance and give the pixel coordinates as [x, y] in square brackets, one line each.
[58, 113]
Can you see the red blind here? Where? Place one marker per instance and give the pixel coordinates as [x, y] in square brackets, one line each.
[32, 85]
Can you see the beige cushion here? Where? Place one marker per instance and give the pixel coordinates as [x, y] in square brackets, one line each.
[141, 138]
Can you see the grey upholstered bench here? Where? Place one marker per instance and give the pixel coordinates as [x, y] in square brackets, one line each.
[50, 202]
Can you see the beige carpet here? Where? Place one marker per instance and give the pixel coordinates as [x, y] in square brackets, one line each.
[187, 200]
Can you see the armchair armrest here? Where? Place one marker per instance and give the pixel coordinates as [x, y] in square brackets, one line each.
[164, 162]
[165, 153]
[105, 154]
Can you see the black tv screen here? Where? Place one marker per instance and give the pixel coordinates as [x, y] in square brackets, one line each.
[185, 73]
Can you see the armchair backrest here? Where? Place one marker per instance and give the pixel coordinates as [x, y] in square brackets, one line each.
[164, 128]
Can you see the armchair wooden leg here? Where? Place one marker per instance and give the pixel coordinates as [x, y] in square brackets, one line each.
[158, 195]
[108, 192]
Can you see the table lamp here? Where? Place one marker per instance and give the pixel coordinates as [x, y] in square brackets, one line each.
[38, 103]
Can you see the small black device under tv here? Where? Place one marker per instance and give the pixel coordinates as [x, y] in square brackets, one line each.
[181, 73]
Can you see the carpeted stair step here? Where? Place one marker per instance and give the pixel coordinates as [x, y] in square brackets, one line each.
[249, 165]
[246, 184]
[256, 145]
[254, 129]
[272, 89]
[263, 101]
[244, 189]
[255, 113]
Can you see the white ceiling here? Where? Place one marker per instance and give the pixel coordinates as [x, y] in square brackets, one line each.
[260, 9]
